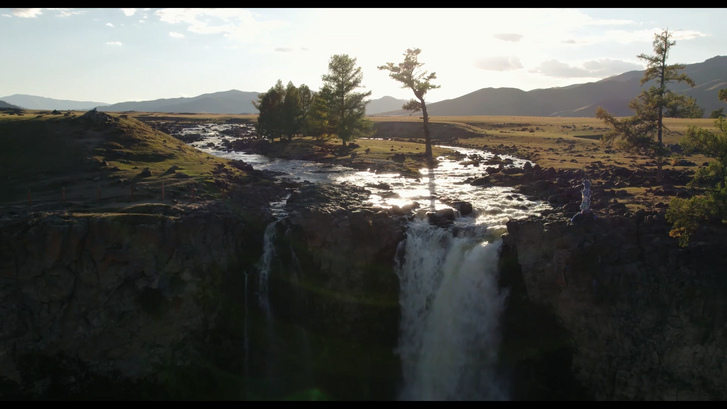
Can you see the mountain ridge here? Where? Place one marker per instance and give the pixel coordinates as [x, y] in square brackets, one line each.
[37, 102]
[581, 100]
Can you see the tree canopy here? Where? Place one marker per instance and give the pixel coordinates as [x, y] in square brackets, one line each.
[269, 105]
[282, 110]
[344, 108]
[639, 131]
[687, 214]
[409, 74]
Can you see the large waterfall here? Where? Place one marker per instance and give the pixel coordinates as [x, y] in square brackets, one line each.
[451, 305]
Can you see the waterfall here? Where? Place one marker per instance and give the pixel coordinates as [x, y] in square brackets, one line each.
[451, 305]
[265, 264]
[284, 340]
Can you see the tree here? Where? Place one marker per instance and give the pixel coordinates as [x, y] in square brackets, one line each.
[282, 110]
[306, 100]
[270, 107]
[682, 106]
[654, 101]
[687, 214]
[345, 108]
[718, 113]
[316, 119]
[409, 74]
[292, 112]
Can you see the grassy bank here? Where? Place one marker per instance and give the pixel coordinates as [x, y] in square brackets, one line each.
[47, 154]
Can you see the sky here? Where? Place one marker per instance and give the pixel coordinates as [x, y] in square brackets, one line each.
[113, 55]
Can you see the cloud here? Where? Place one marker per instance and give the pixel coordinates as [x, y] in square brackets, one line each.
[66, 12]
[26, 13]
[570, 41]
[109, 24]
[304, 48]
[505, 63]
[6, 15]
[284, 49]
[688, 35]
[601, 68]
[637, 36]
[508, 37]
[114, 43]
[605, 67]
[176, 35]
[235, 24]
[129, 12]
[141, 21]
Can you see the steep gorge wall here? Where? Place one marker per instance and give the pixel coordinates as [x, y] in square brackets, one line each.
[124, 295]
[646, 319]
[335, 277]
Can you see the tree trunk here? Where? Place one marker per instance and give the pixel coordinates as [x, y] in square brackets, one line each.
[658, 156]
[659, 174]
[427, 138]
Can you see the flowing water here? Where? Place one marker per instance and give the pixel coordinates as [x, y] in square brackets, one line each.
[449, 296]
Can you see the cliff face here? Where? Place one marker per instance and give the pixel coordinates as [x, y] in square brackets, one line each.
[646, 318]
[122, 294]
[335, 277]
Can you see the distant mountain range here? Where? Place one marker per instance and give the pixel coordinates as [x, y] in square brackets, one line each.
[581, 100]
[225, 102]
[384, 104]
[35, 102]
[4, 104]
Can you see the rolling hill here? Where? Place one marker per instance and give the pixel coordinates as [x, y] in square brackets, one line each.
[36, 102]
[4, 104]
[581, 100]
[384, 104]
[225, 102]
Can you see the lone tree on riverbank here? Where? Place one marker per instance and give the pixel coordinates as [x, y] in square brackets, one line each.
[408, 74]
[345, 108]
[637, 132]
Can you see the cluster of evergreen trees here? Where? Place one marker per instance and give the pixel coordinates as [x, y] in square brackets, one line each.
[336, 110]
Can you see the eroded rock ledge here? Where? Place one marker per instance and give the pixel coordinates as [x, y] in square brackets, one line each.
[646, 318]
[122, 296]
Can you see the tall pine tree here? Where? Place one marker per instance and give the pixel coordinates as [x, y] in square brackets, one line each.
[345, 108]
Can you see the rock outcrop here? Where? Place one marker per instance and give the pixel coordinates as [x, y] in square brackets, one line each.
[646, 319]
[334, 275]
[123, 295]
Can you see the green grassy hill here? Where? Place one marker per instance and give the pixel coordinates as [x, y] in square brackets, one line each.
[86, 152]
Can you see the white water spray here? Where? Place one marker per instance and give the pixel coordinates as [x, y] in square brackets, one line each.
[266, 262]
[451, 305]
